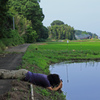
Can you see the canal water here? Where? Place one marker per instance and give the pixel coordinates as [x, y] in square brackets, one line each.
[81, 80]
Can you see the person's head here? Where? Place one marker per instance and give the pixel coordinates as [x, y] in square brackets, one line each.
[54, 79]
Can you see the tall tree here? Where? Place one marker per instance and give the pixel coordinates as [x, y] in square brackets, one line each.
[31, 10]
[34, 13]
[62, 31]
[43, 33]
[57, 22]
[4, 18]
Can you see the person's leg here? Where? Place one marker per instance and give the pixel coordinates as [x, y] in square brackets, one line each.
[20, 73]
[13, 74]
[3, 71]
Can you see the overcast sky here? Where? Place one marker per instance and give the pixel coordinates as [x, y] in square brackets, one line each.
[81, 14]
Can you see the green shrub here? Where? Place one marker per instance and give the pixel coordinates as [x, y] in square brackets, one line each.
[30, 35]
[2, 46]
[41, 40]
[14, 39]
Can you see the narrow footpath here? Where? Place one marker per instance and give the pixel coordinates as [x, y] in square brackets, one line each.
[11, 61]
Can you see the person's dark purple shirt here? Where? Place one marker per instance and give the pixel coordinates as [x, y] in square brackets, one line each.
[37, 79]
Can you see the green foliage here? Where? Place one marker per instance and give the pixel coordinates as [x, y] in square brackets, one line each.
[57, 22]
[22, 24]
[30, 35]
[9, 37]
[58, 96]
[5, 19]
[2, 46]
[31, 10]
[49, 95]
[28, 13]
[34, 13]
[42, 91]
[61, 32]
[3, 12]
[81, 33]
[43, 34]
[14, 39]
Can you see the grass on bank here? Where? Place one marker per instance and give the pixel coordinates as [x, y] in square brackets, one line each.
[39, 56]
[53, 52]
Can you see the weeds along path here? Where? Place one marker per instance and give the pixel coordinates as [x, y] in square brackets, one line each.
[11, 61]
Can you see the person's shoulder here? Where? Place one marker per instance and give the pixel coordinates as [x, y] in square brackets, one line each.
[43, 75]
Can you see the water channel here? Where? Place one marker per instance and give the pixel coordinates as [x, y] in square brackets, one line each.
[81, 80]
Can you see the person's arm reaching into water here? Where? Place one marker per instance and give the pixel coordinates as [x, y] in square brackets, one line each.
[56, 88]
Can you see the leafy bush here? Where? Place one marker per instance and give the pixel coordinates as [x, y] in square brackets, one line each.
[2, 46]
[14, 39]
[41, 40]
[30, 35]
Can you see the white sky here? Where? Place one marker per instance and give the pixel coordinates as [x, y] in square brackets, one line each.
[81, 14]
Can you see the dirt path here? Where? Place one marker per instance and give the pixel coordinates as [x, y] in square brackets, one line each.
[11, 61]
[19, 48]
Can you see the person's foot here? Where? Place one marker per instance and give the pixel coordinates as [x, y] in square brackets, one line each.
[1, 74]
[2, 71]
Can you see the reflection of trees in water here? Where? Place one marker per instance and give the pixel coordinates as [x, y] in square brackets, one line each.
[89, 64]
[82, 65]
[67, 73]
[94, 64]
[78, 66]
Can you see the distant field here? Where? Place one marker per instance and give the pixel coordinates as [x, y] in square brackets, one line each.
[43, 54]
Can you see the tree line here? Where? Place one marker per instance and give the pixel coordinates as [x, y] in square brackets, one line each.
[92, 35]
[59, 30]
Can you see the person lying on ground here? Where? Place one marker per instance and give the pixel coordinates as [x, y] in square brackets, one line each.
[51, 82]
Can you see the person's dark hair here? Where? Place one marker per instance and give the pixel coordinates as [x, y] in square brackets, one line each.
[54, 79]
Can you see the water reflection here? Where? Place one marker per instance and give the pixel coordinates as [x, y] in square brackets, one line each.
[81, 80]
[67, 73]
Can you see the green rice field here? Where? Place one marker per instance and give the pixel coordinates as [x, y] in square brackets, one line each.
[43, 54]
